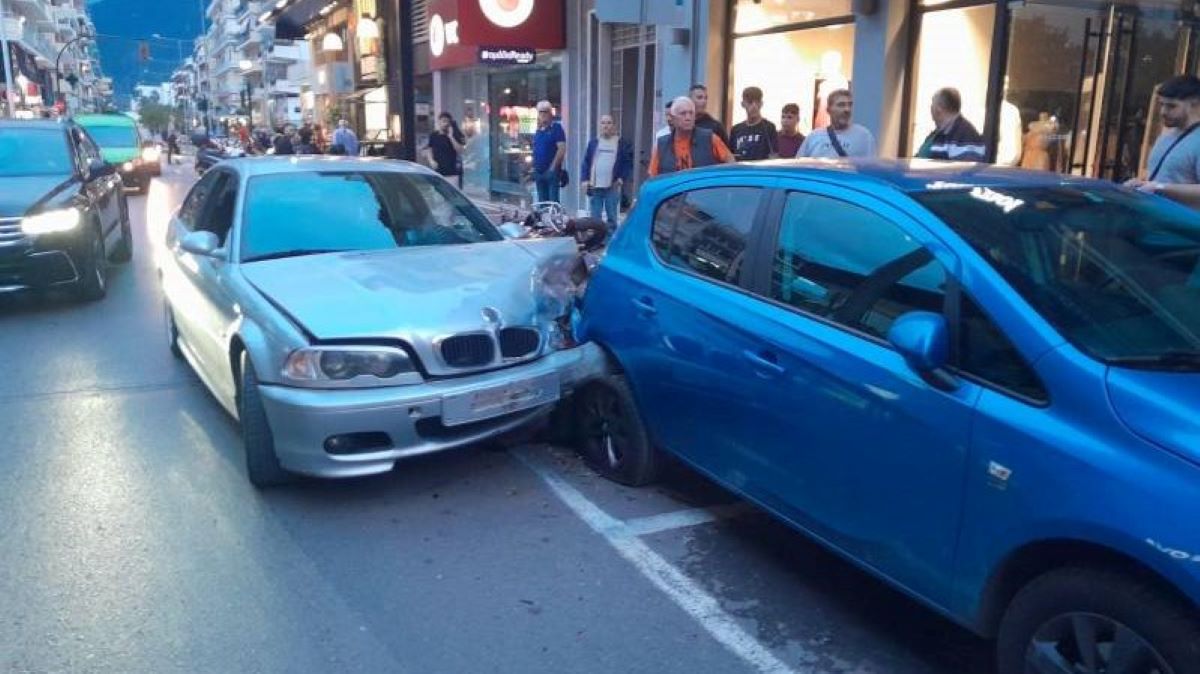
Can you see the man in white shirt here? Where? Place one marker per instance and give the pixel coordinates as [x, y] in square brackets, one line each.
[842, 138]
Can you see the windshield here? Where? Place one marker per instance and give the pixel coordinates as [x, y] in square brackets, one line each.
[34, 152]
[315, 212]
[1115, 272]
[113, 136]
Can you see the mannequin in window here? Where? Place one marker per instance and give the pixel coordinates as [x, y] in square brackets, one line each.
[1037, 143]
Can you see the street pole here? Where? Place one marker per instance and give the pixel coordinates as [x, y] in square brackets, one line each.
[641, 96]
[8, 73]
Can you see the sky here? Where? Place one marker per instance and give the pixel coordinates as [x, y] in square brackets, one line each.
[134, 20]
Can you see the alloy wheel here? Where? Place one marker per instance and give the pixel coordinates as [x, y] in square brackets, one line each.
[1088, 643]
[606, 431]
[101, 260]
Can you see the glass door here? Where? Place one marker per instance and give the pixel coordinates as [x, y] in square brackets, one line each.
[1080, 82]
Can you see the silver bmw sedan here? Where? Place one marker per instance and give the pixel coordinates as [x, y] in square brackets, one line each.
[354, 312]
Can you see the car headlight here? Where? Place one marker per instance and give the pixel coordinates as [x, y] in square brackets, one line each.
[127, 166]
[50, 222]
[151, 154]
[375, 365]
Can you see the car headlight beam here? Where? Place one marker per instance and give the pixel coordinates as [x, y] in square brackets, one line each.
[365, 365]
[51, 222]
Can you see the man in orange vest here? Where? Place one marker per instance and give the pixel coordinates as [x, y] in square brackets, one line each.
[687, 146]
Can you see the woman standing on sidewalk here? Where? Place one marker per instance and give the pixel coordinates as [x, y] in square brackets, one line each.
[445, 146]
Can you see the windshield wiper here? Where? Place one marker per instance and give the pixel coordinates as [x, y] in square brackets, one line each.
[295, 252]
[1167, 360]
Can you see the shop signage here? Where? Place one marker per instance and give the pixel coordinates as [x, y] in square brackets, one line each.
[507, 55]
[461, 30]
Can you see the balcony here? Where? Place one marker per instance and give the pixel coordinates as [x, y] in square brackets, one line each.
[285, 53]
[283, 87]
[34, 9]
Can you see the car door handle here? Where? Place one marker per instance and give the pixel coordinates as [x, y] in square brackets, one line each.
[644, 306]
[764, 362]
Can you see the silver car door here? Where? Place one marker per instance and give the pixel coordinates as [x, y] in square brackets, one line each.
[215, 310]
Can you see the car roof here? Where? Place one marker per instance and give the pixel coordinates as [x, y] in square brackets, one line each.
[906, 175]
[32, 124]
[106, 119]
[272, 165]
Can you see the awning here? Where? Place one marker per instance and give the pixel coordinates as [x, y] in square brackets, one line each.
[291, 22]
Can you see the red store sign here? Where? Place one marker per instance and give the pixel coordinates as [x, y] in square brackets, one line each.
[458, 28]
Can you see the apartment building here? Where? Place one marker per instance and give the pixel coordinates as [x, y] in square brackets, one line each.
[49, 57]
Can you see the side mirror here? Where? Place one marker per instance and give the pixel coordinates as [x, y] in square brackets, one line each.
[512, 230]
[98, 168]
[923, 339]
[204, 244]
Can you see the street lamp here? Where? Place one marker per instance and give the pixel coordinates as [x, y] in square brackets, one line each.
[58, 64]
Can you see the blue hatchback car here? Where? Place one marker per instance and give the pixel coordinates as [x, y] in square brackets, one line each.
[980, 384]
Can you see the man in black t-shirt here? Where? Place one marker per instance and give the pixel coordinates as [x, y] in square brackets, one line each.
[446, 145]
[755, 137]
[699, 95]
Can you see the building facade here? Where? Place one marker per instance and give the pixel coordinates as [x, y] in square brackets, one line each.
[50, 56]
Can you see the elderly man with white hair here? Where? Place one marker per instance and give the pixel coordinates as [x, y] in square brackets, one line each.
[687, 146]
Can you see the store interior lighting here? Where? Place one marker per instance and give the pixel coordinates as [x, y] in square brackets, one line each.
[332, 42]
[368, 29]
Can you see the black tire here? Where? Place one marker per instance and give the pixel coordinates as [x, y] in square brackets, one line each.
[262, 465]
[612, 438]
[93, 269]
[1096, 605]
[124, 251]
[172, 330]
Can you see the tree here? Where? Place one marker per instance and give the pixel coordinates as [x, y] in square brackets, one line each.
[154, 115]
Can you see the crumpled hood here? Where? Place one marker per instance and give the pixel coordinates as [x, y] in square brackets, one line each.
[19, 194]
[414, 294]
[1161, 407]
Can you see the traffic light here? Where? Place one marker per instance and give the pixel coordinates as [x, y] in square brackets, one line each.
[143, 51]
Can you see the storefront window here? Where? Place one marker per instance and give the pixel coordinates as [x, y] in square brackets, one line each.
[954, 50]
[512, 94]
[751, 16]
[819, 60]
[495, 109]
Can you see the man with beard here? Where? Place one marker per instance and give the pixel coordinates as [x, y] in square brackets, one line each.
[1174, 163]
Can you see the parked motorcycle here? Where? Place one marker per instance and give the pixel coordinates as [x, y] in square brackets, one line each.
[209, 155]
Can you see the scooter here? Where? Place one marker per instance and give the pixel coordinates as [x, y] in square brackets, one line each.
[209, 155]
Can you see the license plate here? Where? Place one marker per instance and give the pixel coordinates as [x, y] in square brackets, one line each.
[464, 408]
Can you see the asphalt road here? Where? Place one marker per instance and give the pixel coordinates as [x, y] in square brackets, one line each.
[132, 542]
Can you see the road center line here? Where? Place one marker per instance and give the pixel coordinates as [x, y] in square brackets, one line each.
[686, 594]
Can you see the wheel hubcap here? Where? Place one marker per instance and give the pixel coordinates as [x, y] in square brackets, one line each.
[1088, 643]
[607, 433]
[98, 252]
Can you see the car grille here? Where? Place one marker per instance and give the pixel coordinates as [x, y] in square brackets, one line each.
[10, 232]
[519, 342]
[473, 350]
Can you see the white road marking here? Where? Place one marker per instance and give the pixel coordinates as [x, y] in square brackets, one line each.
[679, 519]
[686, 594]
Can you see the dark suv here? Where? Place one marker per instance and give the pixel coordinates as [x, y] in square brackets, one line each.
[63, 213]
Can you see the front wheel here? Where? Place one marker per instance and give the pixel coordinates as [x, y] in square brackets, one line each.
[1088, 620]
[262, 464]
[613, 440]
[124, 251]
[93, 269]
